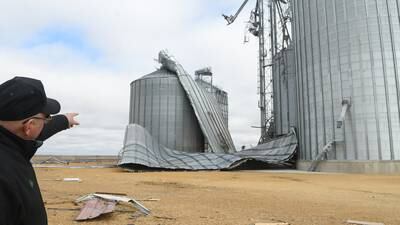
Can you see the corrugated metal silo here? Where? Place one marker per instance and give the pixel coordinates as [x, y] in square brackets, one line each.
[220, 96]
[284, 85]
[222, 99]
[348, 50]
[159, 104]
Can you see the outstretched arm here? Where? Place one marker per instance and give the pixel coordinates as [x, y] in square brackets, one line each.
[57, 124]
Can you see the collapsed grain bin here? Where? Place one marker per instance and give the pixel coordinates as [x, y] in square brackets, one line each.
[168, 106]
[160, 105]
[180, 113]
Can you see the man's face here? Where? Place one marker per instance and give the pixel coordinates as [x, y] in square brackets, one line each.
[33, 126]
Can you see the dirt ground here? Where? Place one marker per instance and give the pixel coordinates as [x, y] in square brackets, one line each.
[239, 197]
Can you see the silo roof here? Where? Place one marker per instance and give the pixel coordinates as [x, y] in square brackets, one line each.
[161, 73]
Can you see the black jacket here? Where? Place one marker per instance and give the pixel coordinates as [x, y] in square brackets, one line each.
[21, 202]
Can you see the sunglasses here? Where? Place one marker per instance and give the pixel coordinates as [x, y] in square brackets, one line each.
[45, 119]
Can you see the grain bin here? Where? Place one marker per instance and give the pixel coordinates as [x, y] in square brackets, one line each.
[220, 96]
[348, 53]
[159, 104]
[284, 88]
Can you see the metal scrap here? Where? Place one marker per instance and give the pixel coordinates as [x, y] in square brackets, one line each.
[54, 160]
[72, 179]
[94, 208]
[115, 198]
[363, 222]
[141, 149]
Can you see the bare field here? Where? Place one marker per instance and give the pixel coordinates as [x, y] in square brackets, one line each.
[239, 197]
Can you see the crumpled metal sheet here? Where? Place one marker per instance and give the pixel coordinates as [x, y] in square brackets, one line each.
[140, 148]
[140, 151]
[206, 109]
[115, 198]
[95, 207]
[278, 150]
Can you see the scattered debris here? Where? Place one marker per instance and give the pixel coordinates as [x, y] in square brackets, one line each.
[54, 160]
[165, 217]
[94, 208]
[72, 179]
[77, 209]
[271, 224]
[151, 200]
[116, 198]
[363, 222]
[64, 209]
[111, 193]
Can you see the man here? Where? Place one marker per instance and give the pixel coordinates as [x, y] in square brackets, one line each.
[25, 122]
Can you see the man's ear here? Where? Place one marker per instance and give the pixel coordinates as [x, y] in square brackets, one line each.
[27, 128]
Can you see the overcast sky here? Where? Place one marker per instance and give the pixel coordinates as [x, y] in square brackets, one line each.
[86, 52]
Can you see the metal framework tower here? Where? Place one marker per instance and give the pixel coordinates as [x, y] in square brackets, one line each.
[262, 56]
[268, 48]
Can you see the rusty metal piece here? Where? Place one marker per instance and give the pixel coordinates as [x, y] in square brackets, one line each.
[94, 208]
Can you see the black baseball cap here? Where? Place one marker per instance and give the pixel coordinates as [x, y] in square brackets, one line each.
[23, 97]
